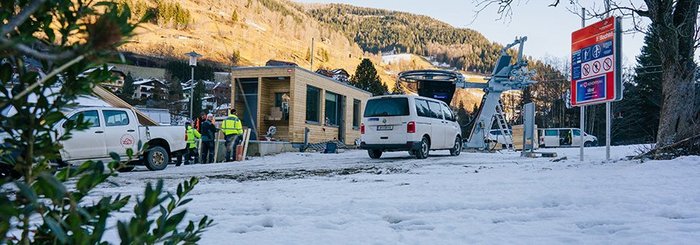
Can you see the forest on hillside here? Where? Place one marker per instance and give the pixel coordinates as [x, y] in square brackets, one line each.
[378, 30]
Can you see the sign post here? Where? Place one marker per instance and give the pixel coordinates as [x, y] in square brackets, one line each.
[596, 67]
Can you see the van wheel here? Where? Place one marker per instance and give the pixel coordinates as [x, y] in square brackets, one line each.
[457, 148]
[422, 152]
[374, 154]
[157, 158]
[588, 144]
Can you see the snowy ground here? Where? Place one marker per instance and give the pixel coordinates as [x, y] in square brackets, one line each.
[491, 198]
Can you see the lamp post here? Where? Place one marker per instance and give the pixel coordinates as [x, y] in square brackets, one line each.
[193, 62]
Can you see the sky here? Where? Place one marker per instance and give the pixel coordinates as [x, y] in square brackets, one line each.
[548, 28]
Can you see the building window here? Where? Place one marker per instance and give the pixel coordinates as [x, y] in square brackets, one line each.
[313, 104]
[356, 104]
[332, 109]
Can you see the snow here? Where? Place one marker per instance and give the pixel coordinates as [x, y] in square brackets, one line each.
[394, 58]
[492, 198]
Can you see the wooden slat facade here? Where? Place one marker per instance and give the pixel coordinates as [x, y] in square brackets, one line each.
[294, 82]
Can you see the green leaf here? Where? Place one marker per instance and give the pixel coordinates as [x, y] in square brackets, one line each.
[56, 229]
[26, 191]
[114, 156]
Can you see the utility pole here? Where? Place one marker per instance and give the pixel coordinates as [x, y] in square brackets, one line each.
[193, 62]
[583, 107]
[608, 105]
[312, 54]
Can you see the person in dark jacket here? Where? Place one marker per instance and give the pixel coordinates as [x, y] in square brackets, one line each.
[208, 131]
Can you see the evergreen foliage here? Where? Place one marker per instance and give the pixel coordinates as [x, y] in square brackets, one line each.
[183, 70]
[128, 89]
[637, 117]
[197, 96]
[366, 78]
[38, 205]
[174, 95]
[377, 30]
[234, 16]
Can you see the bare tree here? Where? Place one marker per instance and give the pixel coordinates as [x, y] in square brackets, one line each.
[677, 24]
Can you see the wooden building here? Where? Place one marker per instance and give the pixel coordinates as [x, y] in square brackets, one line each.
[293, 99]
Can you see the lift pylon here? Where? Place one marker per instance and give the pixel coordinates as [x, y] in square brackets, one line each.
[507, 75]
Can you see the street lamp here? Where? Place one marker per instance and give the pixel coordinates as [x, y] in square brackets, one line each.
[193, 62]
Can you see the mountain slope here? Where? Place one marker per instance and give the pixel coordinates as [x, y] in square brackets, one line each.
[377, 30]
[252, 30]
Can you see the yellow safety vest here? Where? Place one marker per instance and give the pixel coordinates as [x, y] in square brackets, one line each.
[192, 135]
[232, 125]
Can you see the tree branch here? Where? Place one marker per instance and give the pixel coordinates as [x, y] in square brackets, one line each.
[34, 53]
[21, 17]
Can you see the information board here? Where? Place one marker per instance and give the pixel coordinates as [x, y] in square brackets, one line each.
[596, 64]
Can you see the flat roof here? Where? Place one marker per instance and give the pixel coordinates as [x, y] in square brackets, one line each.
[297, 68]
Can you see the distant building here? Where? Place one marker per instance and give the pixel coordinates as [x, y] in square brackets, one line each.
[117, 84]
[279, 63]
[337, 74]
[222, 92]
[147, 88]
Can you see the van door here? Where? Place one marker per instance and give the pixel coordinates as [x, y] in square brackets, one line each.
[439, 126]
[424, 118]
[565, 137]
[576, 141]
[451, 129]
[386, 120]
[88, 143]
[121, 132]
[551, 138]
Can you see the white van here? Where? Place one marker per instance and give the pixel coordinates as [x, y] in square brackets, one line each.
[409, 123]
[565, 137]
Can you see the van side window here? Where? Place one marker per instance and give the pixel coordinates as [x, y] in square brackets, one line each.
[551, 132]
[447, 113]
[90, 117]
[115, 118]
[577, 132]
[435, 110]
[422, 108]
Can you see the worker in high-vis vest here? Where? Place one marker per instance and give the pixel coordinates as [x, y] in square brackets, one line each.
[191, 137]
[232, 129]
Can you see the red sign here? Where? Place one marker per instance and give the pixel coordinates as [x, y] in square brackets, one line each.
[595, 63]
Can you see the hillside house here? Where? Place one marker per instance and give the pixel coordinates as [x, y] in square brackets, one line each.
[293, 99]
[147, 88]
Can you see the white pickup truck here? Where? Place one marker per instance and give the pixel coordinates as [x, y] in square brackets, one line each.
[116, 130]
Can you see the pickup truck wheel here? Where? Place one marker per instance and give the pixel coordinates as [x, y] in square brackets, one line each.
[424, 150]
[157, 158]
[374, 154]
[457, 148]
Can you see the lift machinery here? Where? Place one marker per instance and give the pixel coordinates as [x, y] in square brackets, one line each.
[507, 75]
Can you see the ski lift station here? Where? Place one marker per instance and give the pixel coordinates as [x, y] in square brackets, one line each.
[306, 107]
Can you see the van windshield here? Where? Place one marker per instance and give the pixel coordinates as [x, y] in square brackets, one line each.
[387, 107]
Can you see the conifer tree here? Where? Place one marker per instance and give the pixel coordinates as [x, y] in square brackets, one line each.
[638, 114]
[366, 78]
[128, 89]
[197, 95]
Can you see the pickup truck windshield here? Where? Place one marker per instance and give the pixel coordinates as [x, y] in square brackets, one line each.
[387, 107]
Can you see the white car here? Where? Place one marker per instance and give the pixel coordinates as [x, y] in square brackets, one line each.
[409, 123]
[496, 136]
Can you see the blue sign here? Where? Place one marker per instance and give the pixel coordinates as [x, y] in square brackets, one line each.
[591, 89]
